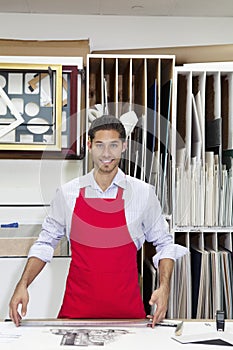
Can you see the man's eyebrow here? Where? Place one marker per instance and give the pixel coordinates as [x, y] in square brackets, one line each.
[110, 141]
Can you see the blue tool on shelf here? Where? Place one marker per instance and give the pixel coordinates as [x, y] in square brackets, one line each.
[10, 225]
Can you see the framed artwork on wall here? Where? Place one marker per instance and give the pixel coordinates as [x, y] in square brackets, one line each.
[30, 107]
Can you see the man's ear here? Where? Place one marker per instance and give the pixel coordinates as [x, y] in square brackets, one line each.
[89, 144]
[124, 147]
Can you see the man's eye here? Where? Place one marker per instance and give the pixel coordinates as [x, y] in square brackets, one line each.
[114, 145]
[99, 145]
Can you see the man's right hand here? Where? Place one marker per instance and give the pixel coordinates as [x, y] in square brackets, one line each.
[20, 297]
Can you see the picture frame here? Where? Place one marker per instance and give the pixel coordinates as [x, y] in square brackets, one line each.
[30, 107]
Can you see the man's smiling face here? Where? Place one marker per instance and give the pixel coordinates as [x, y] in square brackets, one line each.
[106, 149]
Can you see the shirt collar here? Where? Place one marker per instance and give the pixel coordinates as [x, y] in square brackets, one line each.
[88, 180]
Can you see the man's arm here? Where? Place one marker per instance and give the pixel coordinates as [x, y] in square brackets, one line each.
[20, 295]
[160, 296]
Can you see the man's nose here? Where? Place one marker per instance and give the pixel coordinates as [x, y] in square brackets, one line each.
[106, 151]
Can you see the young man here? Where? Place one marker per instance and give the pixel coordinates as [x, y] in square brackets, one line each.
[107, 216]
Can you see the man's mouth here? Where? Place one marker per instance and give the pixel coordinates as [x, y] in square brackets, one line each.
[106, 161]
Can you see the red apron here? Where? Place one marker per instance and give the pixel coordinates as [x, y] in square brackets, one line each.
[103, 276]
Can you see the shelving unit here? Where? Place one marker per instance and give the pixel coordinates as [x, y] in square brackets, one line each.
[15, 242]
[203, 169]
[141, 85]
[183, 161]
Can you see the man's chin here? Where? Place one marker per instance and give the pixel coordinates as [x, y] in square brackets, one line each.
[108, 168]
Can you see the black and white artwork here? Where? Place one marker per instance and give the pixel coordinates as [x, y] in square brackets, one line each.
[87, 337]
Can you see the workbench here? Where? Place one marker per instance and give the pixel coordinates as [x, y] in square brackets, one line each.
[112, 334]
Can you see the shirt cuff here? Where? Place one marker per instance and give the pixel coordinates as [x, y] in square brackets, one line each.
[45, 254]
[173, 251]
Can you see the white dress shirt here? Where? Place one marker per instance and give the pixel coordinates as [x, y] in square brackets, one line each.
[142, 210]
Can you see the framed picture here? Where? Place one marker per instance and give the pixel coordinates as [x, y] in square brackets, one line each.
[31, 98]
[70, 115]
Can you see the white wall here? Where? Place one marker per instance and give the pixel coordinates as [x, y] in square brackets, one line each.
[119, 32]
[24, 181]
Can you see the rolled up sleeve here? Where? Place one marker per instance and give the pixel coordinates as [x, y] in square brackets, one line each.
[170, 251]
[53, 229]
[157, 232]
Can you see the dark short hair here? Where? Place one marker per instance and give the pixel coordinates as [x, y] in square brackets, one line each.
[107, 122]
